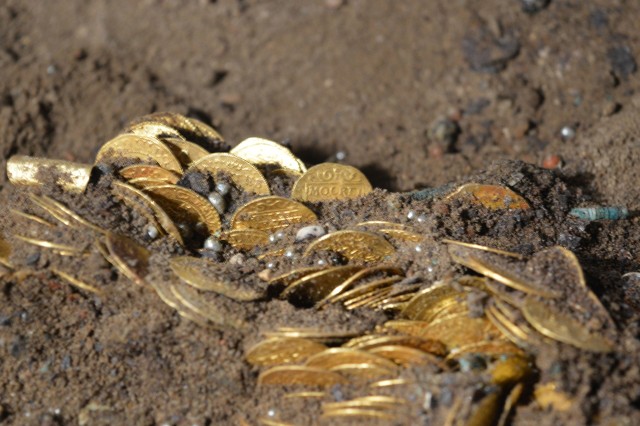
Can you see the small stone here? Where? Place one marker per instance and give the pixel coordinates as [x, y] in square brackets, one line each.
[622, 61]
[552, 161]
[213, 244]
[265, 274]
[411, 214]
[237, 259]
[444, 132]
[223, 188]
[567, 132]
[217, 200]
[33, 258]
[521, 128]
[334, 4]
[610, 108]
[311, 231]
[534, 6]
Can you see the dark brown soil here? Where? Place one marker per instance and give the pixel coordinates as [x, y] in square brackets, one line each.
[416, 94]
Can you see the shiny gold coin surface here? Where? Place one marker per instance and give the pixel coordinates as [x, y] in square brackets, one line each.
[130, 258]
[208, 276]
[187, 127]
[312, 288]
[184, 205]
[144, 171]
[402, 234]
[244, 175]
[426, 304]
[186, 152]
[354, 245]
[154, 129]
[326, 337]
[271, 214]
[355, 278]
[454, 331]
[142, 148]
[288, 375]
[562, 327]
[279, 283]
[245, 239]
[25, 171]
[330, 181]
[334, 357]
[493, 197]
[405, 355]
[145, 206]
[260, 152]
[5, 253]
[484, 248]
[364, 371]
[282, 350]
[362, 413]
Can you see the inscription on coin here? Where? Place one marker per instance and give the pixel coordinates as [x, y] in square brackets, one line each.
[330, 181]
[271, 213]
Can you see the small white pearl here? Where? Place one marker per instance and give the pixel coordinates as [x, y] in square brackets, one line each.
[422, 218]
[271, 413]
[341, 155]
[279, 235]
[152, 232]
[223, 188]
[271, 265]
[218, 202]
[411, 214]
[418, 249]
[312, 231]
[289, 253]
[213, 244]
[567, 132]
[321, 262]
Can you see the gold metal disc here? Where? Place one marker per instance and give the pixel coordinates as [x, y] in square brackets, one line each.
[271, 213]
[144, 171]
[25, 171]
[493, 197]
[354, 245]
[330, 181]
[260, 151]
[186, 152]
[243, 174]
[287, 375]
[137, 147]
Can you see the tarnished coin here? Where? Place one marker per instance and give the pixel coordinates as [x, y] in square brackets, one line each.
[244, 175]
[207, 276]
[26, 171]
[136, 147]
[288, 375]
[260, 151]
[354, 245]
[563, 328]
[144, 171]
[145, 206]
[128, 256]
[312, 288]
[330, 181]
[271, 213]
[282, 350]
[154, 129]
[184, 205]
[245, 239]
[493, 197]
[186, 152]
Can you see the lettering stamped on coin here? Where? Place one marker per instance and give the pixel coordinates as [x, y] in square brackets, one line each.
[331, 181]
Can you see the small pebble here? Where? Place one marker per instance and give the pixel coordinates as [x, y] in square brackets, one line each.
[213, 244]
[217, 201]
[567, 132]
[552, 161]
[422, 218]
[223, 188]
[334, 4]
[237, 259]
[411, 214]
[311, 231]
[152, 232]
[266, 274]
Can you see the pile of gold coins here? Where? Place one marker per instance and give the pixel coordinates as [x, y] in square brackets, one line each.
[260, 200]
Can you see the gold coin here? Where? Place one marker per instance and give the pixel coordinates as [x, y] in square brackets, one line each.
[484, 248]
[335, 357]
[330, 181]
[405, 355]
[130, 258]
[326, 337]
[311, 288]
[355, 413]
[260, 152]
[157, 173]
[205, 131]
[49, 245]
[364, 371]
[510, 370]
[154, 129]
[547, 395]
[186, 152]
[431, 346]
[5, 253]
[219, 316]
[144, 183]
[488, 348]
[367, 300]
[184, 205]
[563, 328]
[187, 127]
[376, 402]
[271, 214]
[466, 257]
[288, 375]
[78, 283]
[244, 175]
[517, 334]
[427, 303]
[282, 350]
[141, 148]
[208, 276]
[245, 239]
[279, 283]
[402, 234]
[354, 245]
[27, 171]
[493, 197]
[356, 294]
[351, 281]
[145, 206]
[63, 213]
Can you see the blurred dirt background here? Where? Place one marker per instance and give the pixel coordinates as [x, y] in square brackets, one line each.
[415, 93]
